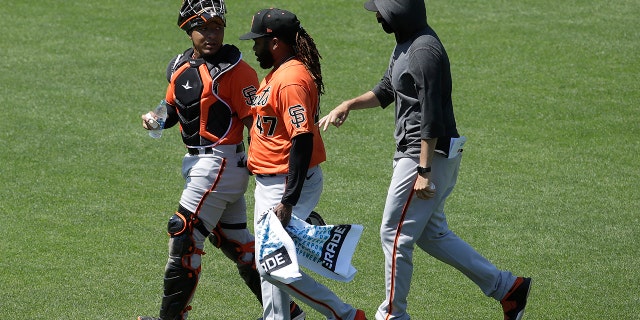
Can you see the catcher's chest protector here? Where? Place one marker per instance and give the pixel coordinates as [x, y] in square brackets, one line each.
[204, 117]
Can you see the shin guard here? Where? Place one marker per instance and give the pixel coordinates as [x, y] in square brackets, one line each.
[235, 251]
[181, 278]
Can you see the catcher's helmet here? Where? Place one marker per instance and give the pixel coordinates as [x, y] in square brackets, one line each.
[194, 13]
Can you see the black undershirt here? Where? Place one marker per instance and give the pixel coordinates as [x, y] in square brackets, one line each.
[299, 159]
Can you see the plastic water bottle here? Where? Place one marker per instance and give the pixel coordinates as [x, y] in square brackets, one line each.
[161, 117]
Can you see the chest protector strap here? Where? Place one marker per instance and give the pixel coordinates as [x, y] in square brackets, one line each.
[204, 117]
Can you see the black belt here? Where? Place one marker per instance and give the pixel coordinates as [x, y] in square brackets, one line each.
[197, 151]
[266, 175]
[209, 150]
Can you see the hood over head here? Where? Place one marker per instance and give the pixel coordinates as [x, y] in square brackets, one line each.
[406, 17]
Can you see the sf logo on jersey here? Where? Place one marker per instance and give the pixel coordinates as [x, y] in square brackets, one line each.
[266, 123]
[297, 114]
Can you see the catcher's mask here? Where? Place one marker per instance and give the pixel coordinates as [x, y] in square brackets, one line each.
[195, 13]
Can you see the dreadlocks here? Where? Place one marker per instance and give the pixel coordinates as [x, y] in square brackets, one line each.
[306, 51]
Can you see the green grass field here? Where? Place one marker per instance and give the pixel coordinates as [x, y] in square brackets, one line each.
[547, 93]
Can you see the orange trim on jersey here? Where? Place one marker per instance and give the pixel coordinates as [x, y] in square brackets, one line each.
[392, 289]
[335, 315]
[213, 186]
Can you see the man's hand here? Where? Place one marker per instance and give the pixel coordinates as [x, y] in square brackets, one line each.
[283, 212]
[339, 114]
[149, 121]
[424, 188]
[336, 117]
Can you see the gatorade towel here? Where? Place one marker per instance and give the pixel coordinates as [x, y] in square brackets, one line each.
[326, 250]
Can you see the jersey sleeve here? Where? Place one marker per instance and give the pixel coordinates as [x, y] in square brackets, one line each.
[425, 69]
[297, 109]
[245, 85]
[384, 91]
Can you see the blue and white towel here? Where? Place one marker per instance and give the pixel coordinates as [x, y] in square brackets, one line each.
[326, 250]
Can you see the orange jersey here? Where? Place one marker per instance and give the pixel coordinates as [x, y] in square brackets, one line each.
[286, 105]
[212, 108]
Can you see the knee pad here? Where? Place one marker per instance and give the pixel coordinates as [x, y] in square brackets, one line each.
[181, 241]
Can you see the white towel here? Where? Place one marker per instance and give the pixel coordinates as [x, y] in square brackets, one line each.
[275, 250]
[326, 250]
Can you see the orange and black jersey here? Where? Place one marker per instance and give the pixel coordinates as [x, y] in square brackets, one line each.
[286, 105]
[285, 138]
[209, 98]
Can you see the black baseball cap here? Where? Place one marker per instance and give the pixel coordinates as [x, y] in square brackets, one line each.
[371, 6]
[273, 22]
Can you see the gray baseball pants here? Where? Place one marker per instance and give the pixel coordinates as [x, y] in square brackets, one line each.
[408, 221]
[275, 294]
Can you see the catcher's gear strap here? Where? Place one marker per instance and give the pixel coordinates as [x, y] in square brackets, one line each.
[228, 56]
[234, 250]
[233, 226]
[217, 235]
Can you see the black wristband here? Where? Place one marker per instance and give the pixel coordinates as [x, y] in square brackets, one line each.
[422, 170]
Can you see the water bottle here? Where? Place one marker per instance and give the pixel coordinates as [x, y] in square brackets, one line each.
[157, 124]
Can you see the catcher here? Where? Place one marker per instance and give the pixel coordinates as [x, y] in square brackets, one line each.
[209, 94]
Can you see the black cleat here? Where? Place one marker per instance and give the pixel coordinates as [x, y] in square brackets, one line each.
[516, 299]
[316, 220]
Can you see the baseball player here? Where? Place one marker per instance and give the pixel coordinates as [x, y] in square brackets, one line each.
[286, 149]
[209, 94]
[425, 167]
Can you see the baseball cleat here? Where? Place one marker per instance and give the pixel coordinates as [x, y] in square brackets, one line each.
[315, 219]
[516, 299]
[296, 312]
[360, 315]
